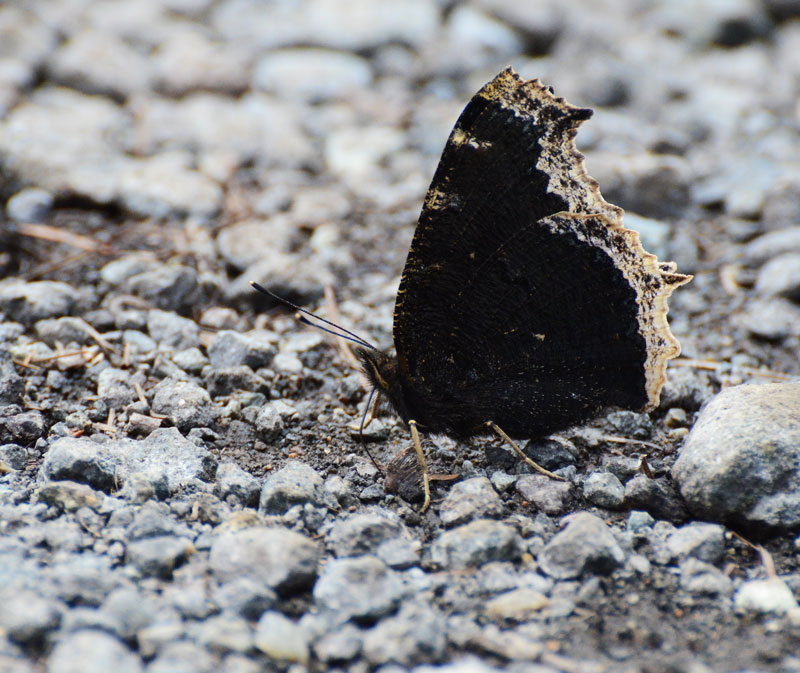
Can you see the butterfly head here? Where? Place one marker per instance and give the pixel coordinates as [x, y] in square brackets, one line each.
[381, 370]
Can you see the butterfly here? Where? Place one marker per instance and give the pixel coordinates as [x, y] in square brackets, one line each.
[525, 306]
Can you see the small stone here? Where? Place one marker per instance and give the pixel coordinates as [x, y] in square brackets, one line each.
[182, 656]
[27, 617]
[586, 545]
[171, 330]
[281, 559]
[190, 360]
[342, 644]
[519, 605]
[476, 543]
[770, 318]
[170, 288]
[295, 483]
[772, 244]
[24, 428]
[166, 459]
[231, 349]
[698, 577]
[361, 588]
[272, 419]
[225, 633]
[740, 460]
[314, 74]
[158, 556]
[638, 521]
[14, 456]
[769, 596]
[470, 499]
[68, 496]
[548, 495]
[416, 634]
[655, 496]
[92, 652]
[604, 490]
[377, 531]
[186, 404]
[280, 638]
[131, 610]
[703, 541]
[65, 330]
[233, 483]
[115, 387]
[82, 460]
[780, 277]
[245, 596]
[29, 205]
[31, 301]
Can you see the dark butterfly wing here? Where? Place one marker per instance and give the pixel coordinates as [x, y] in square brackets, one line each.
[524, 300]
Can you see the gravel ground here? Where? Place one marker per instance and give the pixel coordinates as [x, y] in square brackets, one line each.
[181, 487]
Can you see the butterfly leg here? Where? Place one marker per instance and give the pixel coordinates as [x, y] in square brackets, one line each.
[426, 481]
[497, 429]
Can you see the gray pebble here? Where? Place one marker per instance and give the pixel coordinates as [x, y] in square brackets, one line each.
[115, 387]
[131, 610]
[476, 543]
[244, 596]
[14, 456]
[66, 330]
[773, 244]
[280, 638]
[655, 496]
[190, 360]
[183, 656]
[27, 617]
[341, 644]
[12, 385]
[768, 596]
[282, 560]
[780, 277]
[416, 634]
[234, 485]
[189, 60]
[118, 270]
[228, 380]
[770, 318]
[163, 456]
[470, 499]
[231, 349]
[377, 531]
[548, 495]
[242, 243]
[185, 403]
[224, 633]
[296, 483]
[739, 461]
[604, 490]
[361, 588]
[314, 74]
[698, 577]
[158, 556]
[171, 288]
[92, 652]
[80, 459]
[703, 541]
[36, 300]
[24, 428]
[586, 545]
[29, 205]
[639, 520]
[171, 330]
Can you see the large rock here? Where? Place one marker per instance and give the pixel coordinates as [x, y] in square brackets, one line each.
[741, 461]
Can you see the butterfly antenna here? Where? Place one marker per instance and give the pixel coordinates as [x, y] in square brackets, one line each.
[343, 333]
[361, 432]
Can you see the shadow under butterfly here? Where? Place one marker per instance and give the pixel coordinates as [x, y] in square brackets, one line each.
[525, 306]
